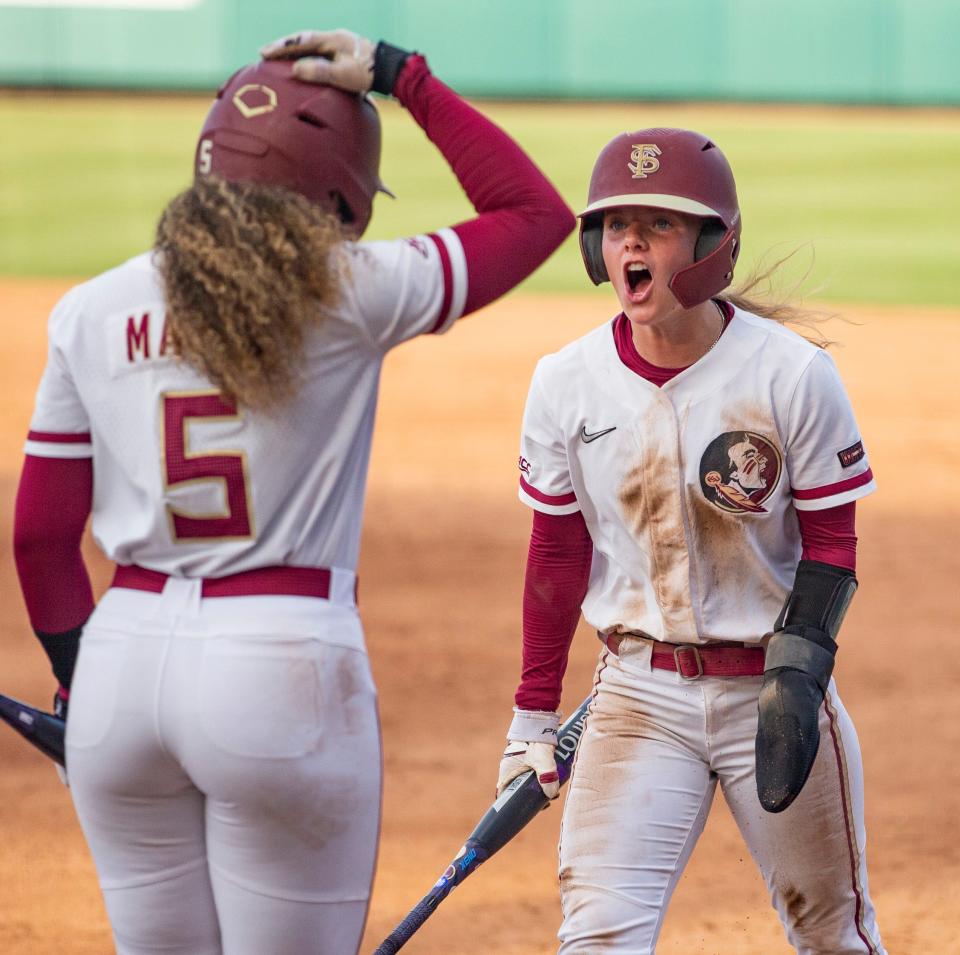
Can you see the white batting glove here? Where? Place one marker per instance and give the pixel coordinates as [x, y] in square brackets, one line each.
[336, 58]
[531, 743]
[519, 757]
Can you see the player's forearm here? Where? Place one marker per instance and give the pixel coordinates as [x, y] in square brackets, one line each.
[558, 571]
[522, 216]
[53, 502]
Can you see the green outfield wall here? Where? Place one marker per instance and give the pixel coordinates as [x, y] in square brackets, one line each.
[837, 51]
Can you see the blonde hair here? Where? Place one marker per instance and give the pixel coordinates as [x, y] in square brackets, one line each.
[761, 293]
[247, 270]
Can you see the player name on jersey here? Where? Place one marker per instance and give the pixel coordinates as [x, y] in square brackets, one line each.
[137, 335]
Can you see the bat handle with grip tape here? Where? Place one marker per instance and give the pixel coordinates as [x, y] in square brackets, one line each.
[404, 931]
[519, 802]
[468, 858]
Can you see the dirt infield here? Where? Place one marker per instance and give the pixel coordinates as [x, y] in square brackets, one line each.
[440, 582]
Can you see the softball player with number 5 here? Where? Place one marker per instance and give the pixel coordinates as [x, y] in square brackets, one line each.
[692, 467]
[212, 405]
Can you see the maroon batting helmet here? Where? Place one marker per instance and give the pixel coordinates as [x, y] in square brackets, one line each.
[265, 126]
[673, 169]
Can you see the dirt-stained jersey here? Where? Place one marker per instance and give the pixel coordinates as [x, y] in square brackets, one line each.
[689, 490]
[187, 484]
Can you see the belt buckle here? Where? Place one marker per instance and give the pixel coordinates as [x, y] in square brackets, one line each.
[688, 648]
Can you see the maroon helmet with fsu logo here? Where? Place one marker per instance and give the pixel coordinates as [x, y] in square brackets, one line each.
[267, 127]
[673, 169]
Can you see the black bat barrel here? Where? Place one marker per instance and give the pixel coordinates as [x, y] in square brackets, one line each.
[524, 797]
[43, 730]
[514, 808]
[498, 827]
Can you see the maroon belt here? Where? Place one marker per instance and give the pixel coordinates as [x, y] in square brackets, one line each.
[693, 660]
[280, 581]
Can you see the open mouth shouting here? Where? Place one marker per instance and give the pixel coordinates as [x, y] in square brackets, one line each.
[638, 281]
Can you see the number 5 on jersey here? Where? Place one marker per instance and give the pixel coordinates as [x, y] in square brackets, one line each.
[181, 467]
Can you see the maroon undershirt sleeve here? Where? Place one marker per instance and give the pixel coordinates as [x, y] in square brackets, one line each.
[829, 536]
[558, 570]
[522, 217]
[54, 500]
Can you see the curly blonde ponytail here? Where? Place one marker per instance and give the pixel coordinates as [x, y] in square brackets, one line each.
[247, 270]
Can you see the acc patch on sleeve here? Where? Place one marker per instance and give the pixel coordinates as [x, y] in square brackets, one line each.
[850, 456]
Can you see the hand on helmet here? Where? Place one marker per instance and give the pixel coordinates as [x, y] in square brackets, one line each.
[519, 757]
[336, 58]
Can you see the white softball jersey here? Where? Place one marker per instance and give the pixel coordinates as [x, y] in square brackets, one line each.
[689, 490]
[187, 485]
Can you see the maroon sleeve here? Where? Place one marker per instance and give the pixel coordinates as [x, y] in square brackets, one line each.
[558, 570]
[830, 535]
[522, 217]
[54, 500]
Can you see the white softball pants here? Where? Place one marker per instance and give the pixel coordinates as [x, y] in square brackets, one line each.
[654, 748]
[224, 761]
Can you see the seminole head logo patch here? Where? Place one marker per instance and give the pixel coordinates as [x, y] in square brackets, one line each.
[739, 471]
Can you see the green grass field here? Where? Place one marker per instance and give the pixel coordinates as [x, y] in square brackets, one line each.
[872, 197]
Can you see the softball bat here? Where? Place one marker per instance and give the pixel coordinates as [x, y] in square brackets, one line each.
[519, 802]
[43, 730]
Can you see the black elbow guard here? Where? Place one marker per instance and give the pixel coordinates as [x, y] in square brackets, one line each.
[797, 671]
[805, 633]
[820, 597]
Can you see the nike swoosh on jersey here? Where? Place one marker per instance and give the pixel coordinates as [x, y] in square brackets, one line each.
[587, 438]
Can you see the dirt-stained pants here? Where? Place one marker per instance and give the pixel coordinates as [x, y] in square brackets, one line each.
[653, 750]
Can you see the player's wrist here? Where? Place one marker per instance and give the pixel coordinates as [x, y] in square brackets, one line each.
[538, 726]
[388, 61]
[62, 650]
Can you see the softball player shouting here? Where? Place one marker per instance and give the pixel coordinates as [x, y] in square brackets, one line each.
[212, 404]
[693, 467]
